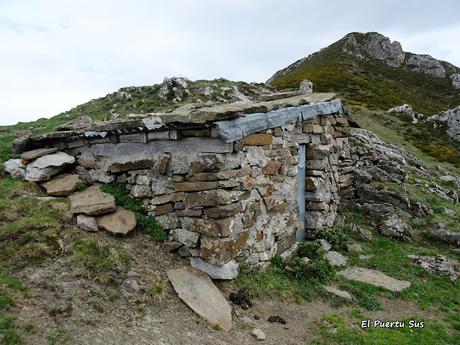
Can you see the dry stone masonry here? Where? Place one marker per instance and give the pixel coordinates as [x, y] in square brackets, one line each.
[221, 179]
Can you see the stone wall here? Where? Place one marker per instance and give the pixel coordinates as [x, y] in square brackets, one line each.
[225, 201]
[222, 192]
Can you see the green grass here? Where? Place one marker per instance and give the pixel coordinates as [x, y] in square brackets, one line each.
[59, 337]
[334, 330]
[122, 198]
[9, 331]
[29, 229]
[143, 99]
[97, 261]
[301, 281]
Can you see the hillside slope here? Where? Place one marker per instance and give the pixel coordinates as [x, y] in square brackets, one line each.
[369, 68]
[170, 94]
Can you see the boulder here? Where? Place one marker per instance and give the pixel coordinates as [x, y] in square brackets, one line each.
[197, 290]
[395, 227]
[426, 64]
[92, 201]
[375, 278]
[227, 271]
[45, 167]
[15, 168]
[87, 223]
[62, 185]
[336, 259]
[437, 264]
[119, 222]
[306, 86]
[34, 154]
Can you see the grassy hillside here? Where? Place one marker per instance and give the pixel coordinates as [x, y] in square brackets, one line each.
[142, 99]
[371, 82]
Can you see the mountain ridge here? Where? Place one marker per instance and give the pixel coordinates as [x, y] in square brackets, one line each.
[369, 68]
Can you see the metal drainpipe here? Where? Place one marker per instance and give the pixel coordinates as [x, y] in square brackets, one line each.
[300, 233]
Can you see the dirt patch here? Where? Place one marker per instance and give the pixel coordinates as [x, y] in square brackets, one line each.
[82, 311]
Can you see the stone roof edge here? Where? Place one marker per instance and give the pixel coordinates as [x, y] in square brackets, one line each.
[238, 128]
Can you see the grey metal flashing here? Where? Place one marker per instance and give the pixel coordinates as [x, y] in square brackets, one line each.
[235, 129]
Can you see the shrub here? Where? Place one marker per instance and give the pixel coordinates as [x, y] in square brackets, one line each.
[336, 236]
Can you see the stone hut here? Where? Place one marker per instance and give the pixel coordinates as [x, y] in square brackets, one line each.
[232, 181]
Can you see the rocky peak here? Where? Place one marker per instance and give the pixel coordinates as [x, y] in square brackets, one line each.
[376, 46]
[425, 63]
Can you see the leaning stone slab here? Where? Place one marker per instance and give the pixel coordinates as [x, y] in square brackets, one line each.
[34, 154]
[43, 168]
[121, 222]
[92, 201]
[375, 278]
[62, 185]
[197, 290]
[228, 271]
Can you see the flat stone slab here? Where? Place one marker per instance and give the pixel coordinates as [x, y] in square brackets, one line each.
[43, 168]
[62, 185]
[375, 278]
[338, 293]
[197, 290]
[92, 201]
[34, 154]
[120, 222]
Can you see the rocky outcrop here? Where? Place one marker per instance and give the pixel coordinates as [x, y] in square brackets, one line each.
[450, 118]
[376, 46]
[43, 168]
[407, 110]
[394, 226]
[438, 264]
[426, 64]
[455, 80]
[174, 89]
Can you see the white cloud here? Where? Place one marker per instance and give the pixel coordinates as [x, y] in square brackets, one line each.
[55, 54]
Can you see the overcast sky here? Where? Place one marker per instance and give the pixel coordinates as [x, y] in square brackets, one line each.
[56, 54]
